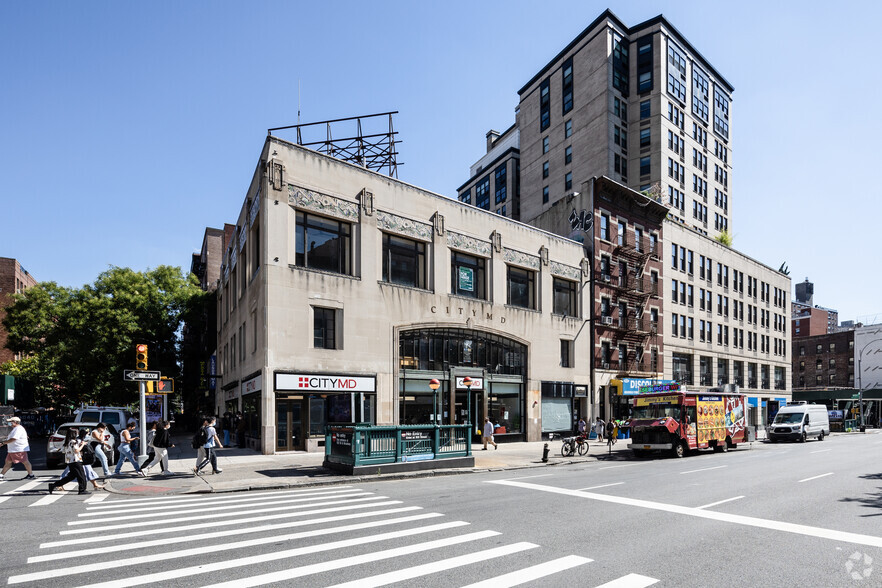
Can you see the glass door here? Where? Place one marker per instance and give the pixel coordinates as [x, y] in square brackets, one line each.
[289, 425]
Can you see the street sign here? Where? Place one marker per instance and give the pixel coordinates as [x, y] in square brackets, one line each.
[141, 376]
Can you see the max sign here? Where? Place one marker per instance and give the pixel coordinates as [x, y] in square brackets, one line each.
[325, 383]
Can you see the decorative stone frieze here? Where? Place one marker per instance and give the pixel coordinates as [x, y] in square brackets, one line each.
[393, 223]
[466, 243]
[322, 203]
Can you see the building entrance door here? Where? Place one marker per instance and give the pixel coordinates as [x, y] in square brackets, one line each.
[289, 425]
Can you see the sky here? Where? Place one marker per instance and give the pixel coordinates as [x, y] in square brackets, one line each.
[126, 128]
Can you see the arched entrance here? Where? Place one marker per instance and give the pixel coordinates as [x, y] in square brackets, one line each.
[497, 366]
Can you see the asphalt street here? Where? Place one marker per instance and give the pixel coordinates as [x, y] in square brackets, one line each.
[774, 515]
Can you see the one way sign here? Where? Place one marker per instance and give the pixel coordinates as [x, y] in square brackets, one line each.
[141, 376]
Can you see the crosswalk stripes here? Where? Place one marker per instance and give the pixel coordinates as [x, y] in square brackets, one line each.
[371, 540]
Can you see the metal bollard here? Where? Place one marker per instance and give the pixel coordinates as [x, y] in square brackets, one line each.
[545, 453]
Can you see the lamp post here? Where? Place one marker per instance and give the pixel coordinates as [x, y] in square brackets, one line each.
[434, 384]
[467, 382]
[861, 388]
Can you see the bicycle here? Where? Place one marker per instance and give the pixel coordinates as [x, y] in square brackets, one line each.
[573, 444]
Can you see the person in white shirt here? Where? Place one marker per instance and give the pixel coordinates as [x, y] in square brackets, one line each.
[487, 435]
[17, 448]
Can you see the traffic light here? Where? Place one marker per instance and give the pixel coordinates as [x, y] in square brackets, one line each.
[141, 356]
[165, 386]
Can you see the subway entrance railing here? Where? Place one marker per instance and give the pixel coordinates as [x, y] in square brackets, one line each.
[361, 445]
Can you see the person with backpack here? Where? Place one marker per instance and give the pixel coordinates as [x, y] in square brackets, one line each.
[161, 444]
[72, 448]
[125, 450]
[89, 455]
[208, 433]
[98, 444]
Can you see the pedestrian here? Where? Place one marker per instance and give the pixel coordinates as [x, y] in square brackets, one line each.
[611, 432]
[91, 476]
[210, 445]
[99, 444]
[17, 448]
[162, 443]
[151, 452]
[487, 436]
[125, 450]
[73, 458]
[240, 430]
[583, 428]
[599, 428]
[227, 424]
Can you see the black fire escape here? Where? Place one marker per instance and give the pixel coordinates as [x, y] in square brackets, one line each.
[632, 286]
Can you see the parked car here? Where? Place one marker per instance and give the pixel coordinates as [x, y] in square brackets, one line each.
[54, 454]
[800, 421]
[112, 415]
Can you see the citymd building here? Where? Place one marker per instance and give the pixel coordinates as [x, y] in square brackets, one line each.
[346, 292]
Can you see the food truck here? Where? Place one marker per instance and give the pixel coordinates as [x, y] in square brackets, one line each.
[679, 421]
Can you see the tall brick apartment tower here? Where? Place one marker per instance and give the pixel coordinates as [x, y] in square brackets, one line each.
[639, 105]
[14, 279]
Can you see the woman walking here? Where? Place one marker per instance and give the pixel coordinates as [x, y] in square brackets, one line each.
[99, 445]
[91, 476]
[161, 444]
[71, 447]
[125, 450]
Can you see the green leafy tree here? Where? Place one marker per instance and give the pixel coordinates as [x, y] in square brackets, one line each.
[78, 341]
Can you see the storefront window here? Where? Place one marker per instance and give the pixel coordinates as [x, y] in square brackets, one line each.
[505, 407]
[317, 420]
[557, 406]
[251, 416]
[441, 349]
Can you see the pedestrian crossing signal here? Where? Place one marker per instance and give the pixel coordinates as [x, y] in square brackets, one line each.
[140, 356]
[165, 386]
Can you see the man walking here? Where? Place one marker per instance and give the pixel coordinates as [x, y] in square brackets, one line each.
[209, 447]
[487, 435]
[17, 448]
[599, 427]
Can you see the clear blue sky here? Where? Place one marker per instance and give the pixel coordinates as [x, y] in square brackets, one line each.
[126, 128]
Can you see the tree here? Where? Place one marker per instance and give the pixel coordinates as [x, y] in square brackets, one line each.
[78, 341]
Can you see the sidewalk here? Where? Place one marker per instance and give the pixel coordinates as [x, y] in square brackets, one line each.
[244, 469]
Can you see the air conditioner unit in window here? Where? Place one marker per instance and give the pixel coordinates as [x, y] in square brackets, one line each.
[605, 277]
[607, 320]
[604, 365]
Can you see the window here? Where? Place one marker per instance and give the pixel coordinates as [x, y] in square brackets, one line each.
[466, 197]
[604, 227]
[568, 155]
[521, 287]
[567, 88]
[324, 326]
[645, 166]
[566, 353]
[404, 261]
[700, 95]
[645, 110]
[323, 244]
[564, 297]
[645, 137]
[638, 239]
[621, 236]
[568, 129]
[545, 195]
[468, 275]
[721, 113]
[568, 181]
[545, 104]
[644, 82]
[501, 188]
[545, 170]
[545, 145]
[482, 193]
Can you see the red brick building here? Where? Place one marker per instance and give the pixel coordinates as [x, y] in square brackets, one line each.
[14, 279]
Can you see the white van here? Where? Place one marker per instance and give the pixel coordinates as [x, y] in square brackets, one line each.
[800, 421]
[112, 415]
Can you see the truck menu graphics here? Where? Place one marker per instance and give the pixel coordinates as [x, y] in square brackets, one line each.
[711, 419]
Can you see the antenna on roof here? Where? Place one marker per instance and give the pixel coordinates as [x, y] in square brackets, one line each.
[298, 101]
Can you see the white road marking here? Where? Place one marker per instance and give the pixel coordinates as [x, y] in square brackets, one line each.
[720, 502]
[624, 465]
[96, 498]
[28, 486]
[630, 581]
[532, 573]
[201, 512]
[820, 451]
[49, 499]
[816, 477]
[536, 476]
[244, 525]
[703, 469]
[325, 566]
[188, 500]
[438, 566]
[857, 538]
[201, 507]
[203, 549]
[601, 486]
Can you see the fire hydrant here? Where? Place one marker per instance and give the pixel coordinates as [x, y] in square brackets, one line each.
[545, 453]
